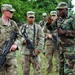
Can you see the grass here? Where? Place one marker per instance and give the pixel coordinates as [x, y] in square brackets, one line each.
[43, 66]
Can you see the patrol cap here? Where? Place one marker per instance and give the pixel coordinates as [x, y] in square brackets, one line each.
[7, 7]
[30, 14]
[53, 13]
[62, 5]
[44, 14]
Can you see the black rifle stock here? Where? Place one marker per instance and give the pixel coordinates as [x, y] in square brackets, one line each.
[6, 47]
[29, 44]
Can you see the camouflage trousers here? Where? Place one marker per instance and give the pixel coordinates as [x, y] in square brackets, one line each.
[49, 51]
[67, 64]
[27, 60]
[10, 68]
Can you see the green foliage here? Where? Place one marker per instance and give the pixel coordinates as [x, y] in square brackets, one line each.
[38, 6]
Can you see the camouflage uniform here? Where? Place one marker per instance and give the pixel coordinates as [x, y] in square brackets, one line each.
[53, 15]
[26, 57]
[42, 23]
[10, 68]
[66, 43]
[50, 46]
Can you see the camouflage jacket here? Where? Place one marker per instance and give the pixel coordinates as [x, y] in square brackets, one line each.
[42, 23]
[68, 25]
[5, 32]
[38, 43]
[49, 29]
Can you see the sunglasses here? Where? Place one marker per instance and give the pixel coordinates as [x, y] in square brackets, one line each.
[10, 11]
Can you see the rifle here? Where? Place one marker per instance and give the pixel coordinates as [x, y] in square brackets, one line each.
[6, 47]
[50, 28]
[55, 41]
[29, 44]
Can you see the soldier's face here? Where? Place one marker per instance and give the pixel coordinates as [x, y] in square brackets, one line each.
[30, 20]
[44, 17]
[8, 14]
[62, 13]
[53, 17]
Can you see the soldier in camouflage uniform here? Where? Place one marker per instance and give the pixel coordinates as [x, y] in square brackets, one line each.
[43, 22]
[35, 35]
[6, 27]
[66, 31]
[53, 15]
[50, 46]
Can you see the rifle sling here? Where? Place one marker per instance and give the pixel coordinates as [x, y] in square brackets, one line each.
[33, 35]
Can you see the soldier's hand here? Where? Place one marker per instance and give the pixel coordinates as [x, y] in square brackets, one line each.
[24, 42]
[13, 47]
[49, 36]
[50, 20]
[36, 52]
[60, 31]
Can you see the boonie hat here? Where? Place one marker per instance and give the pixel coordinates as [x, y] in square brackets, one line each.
[62, 5]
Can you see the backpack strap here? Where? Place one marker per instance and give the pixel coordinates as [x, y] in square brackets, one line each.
[42, 23]
[34, 35]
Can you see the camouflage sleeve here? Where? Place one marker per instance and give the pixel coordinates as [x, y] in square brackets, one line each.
[40, 23]
[47, 29]
[40, 35]
[17, 29]
[21, 30]
[71, 32]
[13, 23]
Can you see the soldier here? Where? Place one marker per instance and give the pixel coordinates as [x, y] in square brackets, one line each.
[6, 27]
[50, 46]
[35, 36]
[66, 31]
[44, 21]
[53, 15]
